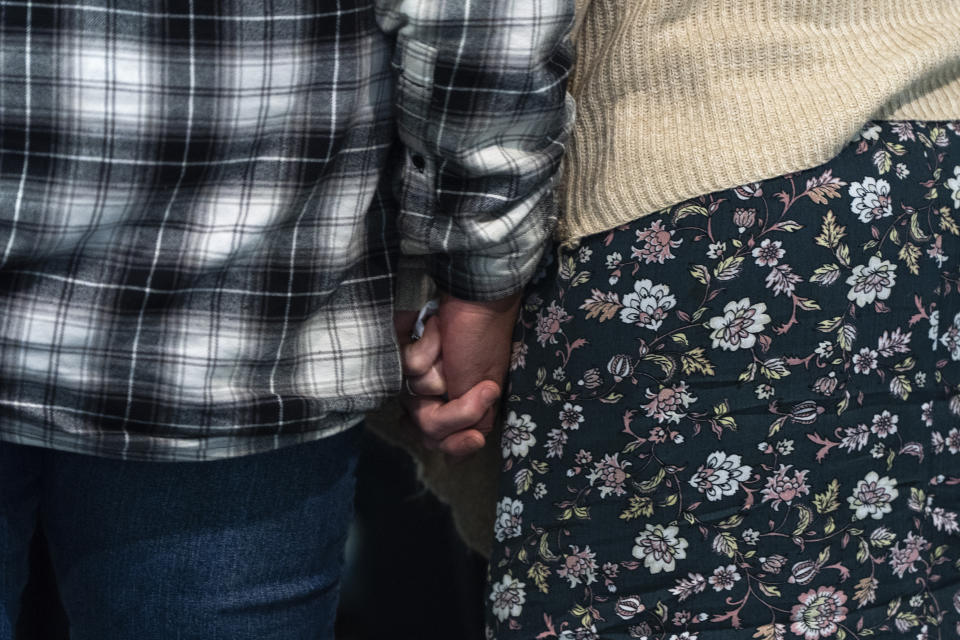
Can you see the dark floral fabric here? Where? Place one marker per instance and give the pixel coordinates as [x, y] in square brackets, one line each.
[740, 417]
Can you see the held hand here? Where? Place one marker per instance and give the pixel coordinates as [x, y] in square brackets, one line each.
[464, 353]
[475, 346]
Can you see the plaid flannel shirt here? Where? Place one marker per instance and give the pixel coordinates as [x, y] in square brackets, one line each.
[200, 204]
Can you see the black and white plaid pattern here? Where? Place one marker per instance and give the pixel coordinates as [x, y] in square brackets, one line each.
[196, 220]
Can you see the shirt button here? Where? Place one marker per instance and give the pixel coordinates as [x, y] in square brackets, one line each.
[419, 162]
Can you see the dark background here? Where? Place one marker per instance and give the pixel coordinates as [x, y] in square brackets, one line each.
[405, 564]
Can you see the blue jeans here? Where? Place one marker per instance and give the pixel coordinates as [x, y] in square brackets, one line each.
[249, 547]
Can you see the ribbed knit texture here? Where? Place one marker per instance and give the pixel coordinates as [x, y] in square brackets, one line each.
[677, 98]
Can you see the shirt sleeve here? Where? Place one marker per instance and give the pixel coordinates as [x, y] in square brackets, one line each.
[483, 113]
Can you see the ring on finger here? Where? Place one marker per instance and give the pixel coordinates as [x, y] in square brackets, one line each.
[407, 388]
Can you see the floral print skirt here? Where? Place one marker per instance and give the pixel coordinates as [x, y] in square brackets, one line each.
[740, 417]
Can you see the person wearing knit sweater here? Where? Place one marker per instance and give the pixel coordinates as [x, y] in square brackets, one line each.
[733, 390]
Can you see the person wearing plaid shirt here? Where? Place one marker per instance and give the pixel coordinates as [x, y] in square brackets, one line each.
[202, 206]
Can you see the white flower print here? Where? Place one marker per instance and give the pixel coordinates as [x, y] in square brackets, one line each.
[518, 435]
[872, 281]
[648, 305]
[571, 416]
[659, 547]
[954, 185]
[739, 325]
[508, 522]
[824, 350]
[865, 361]
[871, 199]
[951, 338]
[720, 476]
[769, 252]
[724, 578]
[884, 424]
[934, 332]
[870, 131]
[953, 441]
[764, 391]
[508, 597]
[716, 250]
[872, 496]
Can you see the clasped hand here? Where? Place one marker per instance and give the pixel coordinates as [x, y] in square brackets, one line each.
[454, 374]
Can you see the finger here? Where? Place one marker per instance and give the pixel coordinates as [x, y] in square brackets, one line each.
[485, 424]
[429, 384]
[438, 418]
[462, 443]
[419, 356]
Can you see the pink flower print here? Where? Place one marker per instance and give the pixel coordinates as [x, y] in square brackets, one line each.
[784, 487]
[669, 404]
[610, 474]
[902, 559]
[826, 385]
[579, 567]
[744, 218]
[774, 563]
[656, 244]
[548, 323]
[819, 612]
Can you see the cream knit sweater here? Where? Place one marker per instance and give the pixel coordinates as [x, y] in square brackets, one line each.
[677, 98]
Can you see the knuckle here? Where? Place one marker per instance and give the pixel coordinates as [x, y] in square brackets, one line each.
[415, 363]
